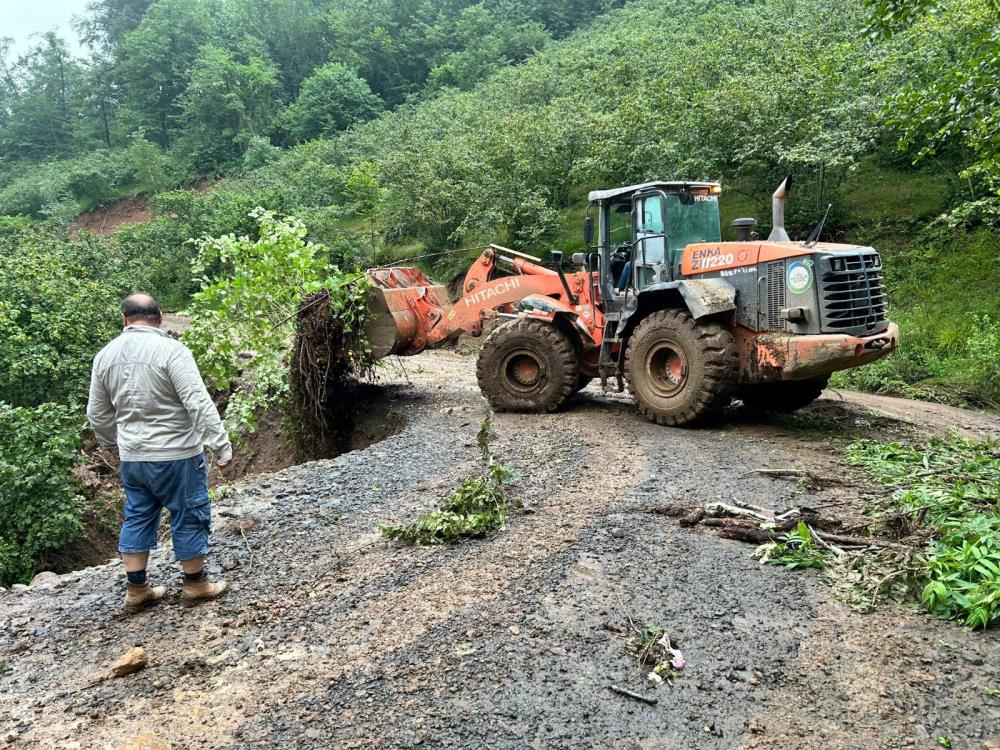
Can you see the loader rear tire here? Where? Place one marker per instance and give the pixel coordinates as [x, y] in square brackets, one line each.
[783, 397]
[678, 369]
[528, 366]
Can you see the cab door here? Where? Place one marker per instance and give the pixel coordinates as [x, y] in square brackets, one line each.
[649, 254]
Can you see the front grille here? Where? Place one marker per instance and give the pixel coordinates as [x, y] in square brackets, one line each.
[853, 300]
[775, 295]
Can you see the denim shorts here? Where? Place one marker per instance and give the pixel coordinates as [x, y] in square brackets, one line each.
[179, 486]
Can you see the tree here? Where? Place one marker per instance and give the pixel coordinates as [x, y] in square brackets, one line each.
[950, 102]
[155, 61]
[486, 43]
[42, 111]
[225, 104]
[332, 99]
[107, 21]
[293, 32]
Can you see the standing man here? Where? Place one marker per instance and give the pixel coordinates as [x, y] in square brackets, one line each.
[149, 405]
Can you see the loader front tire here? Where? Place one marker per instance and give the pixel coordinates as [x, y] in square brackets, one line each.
[528, 366]
[678, 369]
[783, 397]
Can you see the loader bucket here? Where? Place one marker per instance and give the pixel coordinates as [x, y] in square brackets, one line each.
[403, 305]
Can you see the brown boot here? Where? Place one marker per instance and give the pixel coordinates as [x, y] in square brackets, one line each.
[194, 591]
[140, 597]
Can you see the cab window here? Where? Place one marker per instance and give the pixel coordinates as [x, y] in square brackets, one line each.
[692, 218]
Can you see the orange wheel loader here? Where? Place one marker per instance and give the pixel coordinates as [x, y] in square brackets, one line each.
[659, 303]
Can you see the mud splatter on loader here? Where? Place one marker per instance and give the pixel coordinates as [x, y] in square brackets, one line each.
[659, 302]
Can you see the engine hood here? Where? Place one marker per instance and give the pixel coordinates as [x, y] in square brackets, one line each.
[711, 257]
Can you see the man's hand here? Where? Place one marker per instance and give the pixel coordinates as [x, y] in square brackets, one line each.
[224, 465]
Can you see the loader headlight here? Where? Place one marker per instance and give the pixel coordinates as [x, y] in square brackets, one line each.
[838, 264]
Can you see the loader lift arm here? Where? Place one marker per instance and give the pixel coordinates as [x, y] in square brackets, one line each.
[410, 313]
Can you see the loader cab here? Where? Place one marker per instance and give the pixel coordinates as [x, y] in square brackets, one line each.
[643, 229]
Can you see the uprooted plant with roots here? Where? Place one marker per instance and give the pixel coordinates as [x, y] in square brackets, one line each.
[254, 293]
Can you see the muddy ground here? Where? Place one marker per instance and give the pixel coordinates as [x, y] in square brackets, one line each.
[331, 638]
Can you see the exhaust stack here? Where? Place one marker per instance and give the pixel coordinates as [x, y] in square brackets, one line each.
[778, 233]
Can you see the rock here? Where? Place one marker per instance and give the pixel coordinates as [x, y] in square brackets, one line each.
[19, 587]
[973, 658]
[132, 661]
[45, 580]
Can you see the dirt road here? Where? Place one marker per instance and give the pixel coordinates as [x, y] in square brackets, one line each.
[333, 639]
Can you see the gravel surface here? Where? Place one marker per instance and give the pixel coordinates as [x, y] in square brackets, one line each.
[331, 638]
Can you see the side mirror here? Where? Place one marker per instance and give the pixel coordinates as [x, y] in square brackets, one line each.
[588, 231]
[579, 259]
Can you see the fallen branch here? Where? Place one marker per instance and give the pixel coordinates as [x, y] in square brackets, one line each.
[634, 695]
[814, 480]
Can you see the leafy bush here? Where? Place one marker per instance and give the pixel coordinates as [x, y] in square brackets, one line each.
[39, 508]
[963, 572]
[63, 188]
[97, 177]
[58, 306]
[39, 193]
[953, 485]
[248, 305]
[159, 253]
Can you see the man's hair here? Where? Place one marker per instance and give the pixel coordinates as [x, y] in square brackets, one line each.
[141, 307]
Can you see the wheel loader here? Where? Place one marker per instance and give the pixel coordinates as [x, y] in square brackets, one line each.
[658, 303]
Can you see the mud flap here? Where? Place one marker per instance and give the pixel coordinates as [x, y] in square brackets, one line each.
[707, 297]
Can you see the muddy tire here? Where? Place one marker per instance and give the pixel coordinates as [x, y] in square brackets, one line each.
[582, 381]
[784, 397]
[679, 370]
[527, 365]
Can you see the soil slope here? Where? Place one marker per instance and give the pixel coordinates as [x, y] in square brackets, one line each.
[331, 638]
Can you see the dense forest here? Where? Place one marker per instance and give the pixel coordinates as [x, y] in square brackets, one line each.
[425, 128]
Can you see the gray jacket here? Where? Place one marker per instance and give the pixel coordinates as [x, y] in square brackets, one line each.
[149, 403]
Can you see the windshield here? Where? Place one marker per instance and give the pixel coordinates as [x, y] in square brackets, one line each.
[691, 218]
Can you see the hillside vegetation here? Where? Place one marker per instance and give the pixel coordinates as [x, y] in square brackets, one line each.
[426, 129]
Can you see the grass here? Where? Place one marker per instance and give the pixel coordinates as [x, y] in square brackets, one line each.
[948, 492]
[877, 193]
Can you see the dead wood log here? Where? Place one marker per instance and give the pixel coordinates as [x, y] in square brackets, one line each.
[749, 534]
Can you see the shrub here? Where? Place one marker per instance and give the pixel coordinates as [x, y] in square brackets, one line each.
[39, 507]
[55, 312]
[260, 151]
[97, 177]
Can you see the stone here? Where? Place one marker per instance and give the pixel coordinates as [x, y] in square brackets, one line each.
[973, 658]
[131, 661]
[19, 587]
[45, 580]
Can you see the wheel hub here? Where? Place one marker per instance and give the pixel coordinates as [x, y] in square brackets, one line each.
[522, 371]
[666, 368]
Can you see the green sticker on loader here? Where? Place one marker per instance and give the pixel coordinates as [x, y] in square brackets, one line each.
[799, 277]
